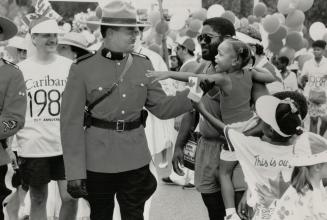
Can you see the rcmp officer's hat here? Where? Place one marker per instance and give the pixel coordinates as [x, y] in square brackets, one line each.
[7, 29]
[120, 14]
[74, 39]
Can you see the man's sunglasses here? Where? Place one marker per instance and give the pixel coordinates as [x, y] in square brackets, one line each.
[206, 38]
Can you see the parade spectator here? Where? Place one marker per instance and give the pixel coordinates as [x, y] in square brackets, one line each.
[313, 77]
[289, 78]
[111, 156]
[265, 160]
[13, 108]
[40, 149]
[17, 49]
[306, 198]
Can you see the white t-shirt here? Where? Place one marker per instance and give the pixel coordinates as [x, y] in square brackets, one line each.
[266, 170]
[317, 75]
[45, 84]
[290, 82]
[294, 206]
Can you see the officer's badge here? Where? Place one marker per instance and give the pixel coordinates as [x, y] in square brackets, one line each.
[109, 55]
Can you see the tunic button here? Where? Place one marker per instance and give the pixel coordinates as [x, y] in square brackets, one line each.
[100, 88]
[142, 84]
[124, 95]
[123, 112]
[118, 64]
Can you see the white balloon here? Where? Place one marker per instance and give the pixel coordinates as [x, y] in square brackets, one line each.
[176, 23]
[316, 32]
[237, 23]
[215, 10]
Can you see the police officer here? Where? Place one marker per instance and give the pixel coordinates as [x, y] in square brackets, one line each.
[12, 106]
[111, 157]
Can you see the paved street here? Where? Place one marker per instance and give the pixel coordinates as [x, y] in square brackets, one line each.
[171, 202]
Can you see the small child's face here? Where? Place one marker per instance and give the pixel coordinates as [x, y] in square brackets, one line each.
[225, 57]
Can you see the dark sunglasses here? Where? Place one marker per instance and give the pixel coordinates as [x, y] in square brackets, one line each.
[206, 38]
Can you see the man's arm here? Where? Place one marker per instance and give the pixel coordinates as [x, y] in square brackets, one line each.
[13, 112]
[71, 126]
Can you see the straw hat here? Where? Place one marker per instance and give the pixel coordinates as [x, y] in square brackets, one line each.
[119, 13]
[74, 39]
[9, 29]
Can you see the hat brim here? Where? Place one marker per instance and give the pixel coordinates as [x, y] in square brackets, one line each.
[300, 161]
[73, 44]
[9, 29]
[118, 24]
[266, 109]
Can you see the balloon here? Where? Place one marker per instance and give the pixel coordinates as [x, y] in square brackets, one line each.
[286, 6]
[295, 18]
[162, 27]
[215, 10]
[305, 43]
[260, 9]
[316, 31]
[173, 35]
[92, 27]
[279, 34]
[98, 12]
[244, 22]
[176, 23]
[229, 15]
[281, 18]
[67, 27]
[200, 14]
[297, 29]
[275, 46]
[154, 17]
[304, 30]
[195, 25]
[324, 37]
[287, 52]
[191, 34]
[294, 40]
[302, 59]
[304, 5]
[271, 24]
[251, 19]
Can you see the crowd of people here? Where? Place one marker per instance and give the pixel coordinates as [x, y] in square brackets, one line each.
[81, 124]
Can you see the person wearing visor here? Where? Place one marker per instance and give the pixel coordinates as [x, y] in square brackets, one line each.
[265, 160]
[105, 147]
[39, 141]
[73, 45]
[17, 49]
[13, 108]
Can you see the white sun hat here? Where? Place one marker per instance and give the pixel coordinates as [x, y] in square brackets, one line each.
[309, 149]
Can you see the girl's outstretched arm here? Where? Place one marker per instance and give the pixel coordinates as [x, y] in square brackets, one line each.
[162, 75]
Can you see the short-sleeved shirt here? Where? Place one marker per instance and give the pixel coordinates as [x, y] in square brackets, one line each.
[290, 82]
[266, 169]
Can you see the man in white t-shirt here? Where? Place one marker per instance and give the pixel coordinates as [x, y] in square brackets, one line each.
[40, 150]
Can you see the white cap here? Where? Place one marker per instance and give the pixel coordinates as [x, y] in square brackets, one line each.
[17, 42]
[44, 26]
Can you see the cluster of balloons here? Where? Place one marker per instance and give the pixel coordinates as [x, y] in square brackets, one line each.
[285, 29]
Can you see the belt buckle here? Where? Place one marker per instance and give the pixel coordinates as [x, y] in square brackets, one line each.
[120, 125]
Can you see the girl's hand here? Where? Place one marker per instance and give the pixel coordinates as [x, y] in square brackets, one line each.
[157, 75]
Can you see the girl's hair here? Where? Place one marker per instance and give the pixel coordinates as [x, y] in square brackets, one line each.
[288, 117]
[242, 50]
[300, 179]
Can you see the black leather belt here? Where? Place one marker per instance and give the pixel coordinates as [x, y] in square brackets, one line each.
[119, 125]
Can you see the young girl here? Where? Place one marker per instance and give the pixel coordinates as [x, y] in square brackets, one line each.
[306, 198]
[235, 83]
[264, 160]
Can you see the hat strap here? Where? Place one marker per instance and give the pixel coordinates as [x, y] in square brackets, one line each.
[119, 20]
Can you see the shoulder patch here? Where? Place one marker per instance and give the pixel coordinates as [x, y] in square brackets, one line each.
[84, 57]
[10, 63]
[140, 55]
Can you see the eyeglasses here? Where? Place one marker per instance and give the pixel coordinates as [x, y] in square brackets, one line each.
[206, 38]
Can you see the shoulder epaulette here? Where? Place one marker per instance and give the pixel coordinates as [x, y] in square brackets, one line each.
[141, 55]
[10, 63]
[84, 57]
